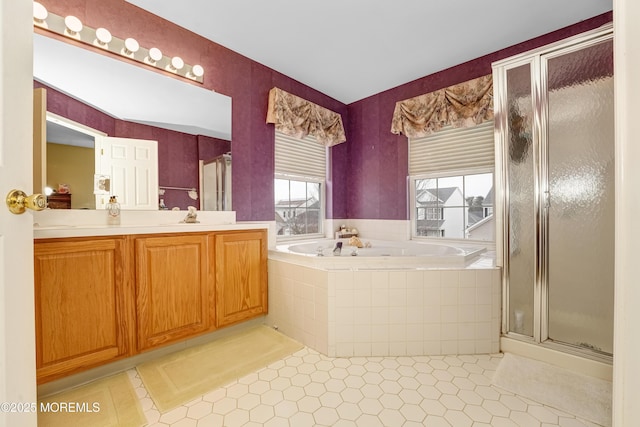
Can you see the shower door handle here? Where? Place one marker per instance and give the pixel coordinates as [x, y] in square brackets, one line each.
[546, 203]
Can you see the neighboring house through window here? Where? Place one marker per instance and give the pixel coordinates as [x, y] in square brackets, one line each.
[452, 183]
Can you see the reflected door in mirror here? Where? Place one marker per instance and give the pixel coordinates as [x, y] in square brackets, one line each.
[132, 165]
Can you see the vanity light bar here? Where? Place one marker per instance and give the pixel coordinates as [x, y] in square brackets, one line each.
[71, 27]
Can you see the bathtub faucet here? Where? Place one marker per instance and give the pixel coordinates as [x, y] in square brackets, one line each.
[338, 249]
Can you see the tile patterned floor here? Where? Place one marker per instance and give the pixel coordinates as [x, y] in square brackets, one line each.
[310, 389]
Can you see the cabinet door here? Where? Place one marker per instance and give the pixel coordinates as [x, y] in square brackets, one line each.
[81, 293]
[174, 292]
[241, 276]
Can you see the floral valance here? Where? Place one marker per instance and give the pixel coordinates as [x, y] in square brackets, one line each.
[463, 105]
[298, 117]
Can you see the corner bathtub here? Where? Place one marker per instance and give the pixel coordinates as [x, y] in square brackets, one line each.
[392, 251]
[393, 299]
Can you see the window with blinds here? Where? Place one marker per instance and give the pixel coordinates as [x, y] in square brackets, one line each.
[452, 149]
[300, 171]
[452, 183]
[303, 157]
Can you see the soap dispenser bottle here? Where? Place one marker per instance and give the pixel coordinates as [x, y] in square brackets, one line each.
[113, 211]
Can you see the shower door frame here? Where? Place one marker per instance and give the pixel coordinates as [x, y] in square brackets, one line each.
[537, 60]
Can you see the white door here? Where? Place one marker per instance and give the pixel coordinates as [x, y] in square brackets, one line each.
[132, 165]
[17, 323]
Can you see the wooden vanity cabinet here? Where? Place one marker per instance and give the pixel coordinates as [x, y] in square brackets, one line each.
[174, 288]
[98, 299]
[241, 276]
[83, 304]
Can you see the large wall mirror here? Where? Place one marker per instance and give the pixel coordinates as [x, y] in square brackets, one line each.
[196, 120]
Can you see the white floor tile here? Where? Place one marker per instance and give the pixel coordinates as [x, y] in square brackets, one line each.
[309, 389]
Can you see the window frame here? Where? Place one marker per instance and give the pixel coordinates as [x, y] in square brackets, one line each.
[440, 175]
[303, 160]
[321, 216]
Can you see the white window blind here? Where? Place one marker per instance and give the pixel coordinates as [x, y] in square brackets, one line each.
[301, 157]
[452, 149]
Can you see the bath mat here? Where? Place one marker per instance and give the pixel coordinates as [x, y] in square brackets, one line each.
[180, 377]
[109, 402]
[583, 396]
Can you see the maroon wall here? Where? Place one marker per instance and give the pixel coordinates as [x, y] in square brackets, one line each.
[245, 81]
[368, 173]
[65, 106]
[378, 163]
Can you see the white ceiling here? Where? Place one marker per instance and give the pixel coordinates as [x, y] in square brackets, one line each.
[351, 49]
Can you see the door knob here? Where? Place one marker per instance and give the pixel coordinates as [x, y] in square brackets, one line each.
[18, 202]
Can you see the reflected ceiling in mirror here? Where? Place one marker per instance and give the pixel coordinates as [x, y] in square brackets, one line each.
[59, 134]
[129, 92]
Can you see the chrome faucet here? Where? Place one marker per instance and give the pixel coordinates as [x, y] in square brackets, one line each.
[338, 249]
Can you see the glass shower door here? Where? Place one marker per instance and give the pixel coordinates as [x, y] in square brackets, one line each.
[580, 206]
[520, 162]
[555, 130]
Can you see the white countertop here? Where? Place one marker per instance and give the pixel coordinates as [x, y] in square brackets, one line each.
[48, 232]
[80, 223]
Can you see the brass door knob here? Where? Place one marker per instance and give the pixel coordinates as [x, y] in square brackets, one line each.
[18, 202]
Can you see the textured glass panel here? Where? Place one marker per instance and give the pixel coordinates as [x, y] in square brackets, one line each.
[521, 200]
[581, 185]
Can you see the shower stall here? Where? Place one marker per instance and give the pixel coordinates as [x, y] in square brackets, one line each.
[215, 183]
[555, 147]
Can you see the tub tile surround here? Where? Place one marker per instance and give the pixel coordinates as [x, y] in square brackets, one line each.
[401, 312]
[378, 229]
[414, 312]
[375, 309]
[299, 303]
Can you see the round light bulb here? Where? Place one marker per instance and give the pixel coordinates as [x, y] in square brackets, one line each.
[103, 36]
[131, 45]
[197, 70]
[155, 54]
[177, 62]
[73, 24]
[40, 12]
